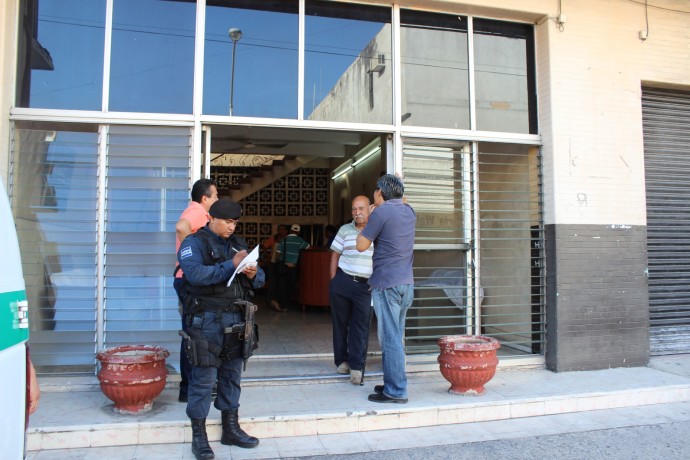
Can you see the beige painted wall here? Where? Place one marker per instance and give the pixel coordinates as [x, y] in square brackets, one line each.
[589, 80]
[8, 57]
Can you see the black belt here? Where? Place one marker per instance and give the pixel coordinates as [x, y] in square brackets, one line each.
[206, 307]
[356, 279]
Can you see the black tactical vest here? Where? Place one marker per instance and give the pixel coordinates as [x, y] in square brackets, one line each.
[218, 295]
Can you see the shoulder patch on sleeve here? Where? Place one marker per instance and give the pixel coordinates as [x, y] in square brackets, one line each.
[186, 252]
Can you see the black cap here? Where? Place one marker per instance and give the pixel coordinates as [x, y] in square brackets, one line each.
[225, 209]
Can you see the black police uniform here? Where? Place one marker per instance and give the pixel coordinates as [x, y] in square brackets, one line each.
[206, 261]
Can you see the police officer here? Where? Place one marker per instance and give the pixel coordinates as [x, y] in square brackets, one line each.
[208, 259]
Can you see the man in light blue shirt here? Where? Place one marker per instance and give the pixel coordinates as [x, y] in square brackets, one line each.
[391, 227]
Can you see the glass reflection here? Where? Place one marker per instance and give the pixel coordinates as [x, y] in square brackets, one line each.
[265, 58]
[435, 83]
[144, 200]
[152, 63]
[55, 191]
[60, 63]
[502, 76]
[348, 73]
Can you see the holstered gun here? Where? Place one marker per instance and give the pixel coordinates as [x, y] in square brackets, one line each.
[250, 333]
[201, 352]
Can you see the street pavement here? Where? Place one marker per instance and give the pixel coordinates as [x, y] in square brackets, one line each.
[663, 441]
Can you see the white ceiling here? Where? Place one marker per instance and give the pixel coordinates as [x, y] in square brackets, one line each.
[286, 141]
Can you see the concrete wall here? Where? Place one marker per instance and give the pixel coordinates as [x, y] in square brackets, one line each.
[597, 313]
[349, 100]
[589, 80]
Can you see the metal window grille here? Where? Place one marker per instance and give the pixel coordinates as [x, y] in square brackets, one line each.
[479, 261]
[148, 188]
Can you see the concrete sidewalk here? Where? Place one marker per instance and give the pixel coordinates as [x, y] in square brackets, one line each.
[298, 419]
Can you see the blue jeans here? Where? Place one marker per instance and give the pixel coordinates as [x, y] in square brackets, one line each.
[391, 306]
[202, 379]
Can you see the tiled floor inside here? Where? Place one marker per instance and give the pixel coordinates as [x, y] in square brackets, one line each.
[302, 331]
[299, 343]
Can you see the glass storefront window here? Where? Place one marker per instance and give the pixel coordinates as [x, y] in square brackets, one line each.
[265, 58]
[148, 188]
[60, 54]
[434, 65]
[504, 77]
[152, 62]
[54, 202]
[348, 71]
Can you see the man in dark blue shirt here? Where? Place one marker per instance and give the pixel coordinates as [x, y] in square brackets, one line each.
[391, 227]
[208, 259]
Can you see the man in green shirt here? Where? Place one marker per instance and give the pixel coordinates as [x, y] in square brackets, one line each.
[288, 255]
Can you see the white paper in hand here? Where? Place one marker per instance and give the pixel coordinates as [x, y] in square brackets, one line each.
[251, 259]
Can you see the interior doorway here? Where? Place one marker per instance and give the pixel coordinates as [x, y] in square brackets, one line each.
[284, 176]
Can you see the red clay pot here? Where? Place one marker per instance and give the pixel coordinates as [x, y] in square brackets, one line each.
[468, 362]
[132, 376]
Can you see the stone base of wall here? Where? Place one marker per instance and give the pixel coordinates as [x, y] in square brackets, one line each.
[597, 300]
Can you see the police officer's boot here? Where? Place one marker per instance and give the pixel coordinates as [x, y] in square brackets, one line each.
[200, 447]
[233, 435]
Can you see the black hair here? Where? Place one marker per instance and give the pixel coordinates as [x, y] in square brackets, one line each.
[202, 188]
[391, 187]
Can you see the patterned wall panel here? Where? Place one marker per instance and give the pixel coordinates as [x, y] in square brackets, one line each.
[301, 196]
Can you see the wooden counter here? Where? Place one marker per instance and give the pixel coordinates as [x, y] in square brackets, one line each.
[314, 276]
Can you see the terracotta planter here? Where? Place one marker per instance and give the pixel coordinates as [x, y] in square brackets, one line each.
[468, 362]
[132, 376]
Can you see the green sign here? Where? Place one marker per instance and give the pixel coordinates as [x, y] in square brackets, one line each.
[10, 331]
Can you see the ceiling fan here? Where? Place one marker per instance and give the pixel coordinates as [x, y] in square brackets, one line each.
[247, 142]
[250, 144]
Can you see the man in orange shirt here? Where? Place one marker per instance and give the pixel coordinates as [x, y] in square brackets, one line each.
[204, 194]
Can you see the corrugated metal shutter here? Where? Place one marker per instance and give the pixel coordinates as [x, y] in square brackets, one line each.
[666, 125]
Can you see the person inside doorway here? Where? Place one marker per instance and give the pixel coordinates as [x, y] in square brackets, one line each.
[287, 260]
[329, 232]
[271, 244]
[349, 294]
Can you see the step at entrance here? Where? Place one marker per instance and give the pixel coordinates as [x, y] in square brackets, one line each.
[74, 419]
